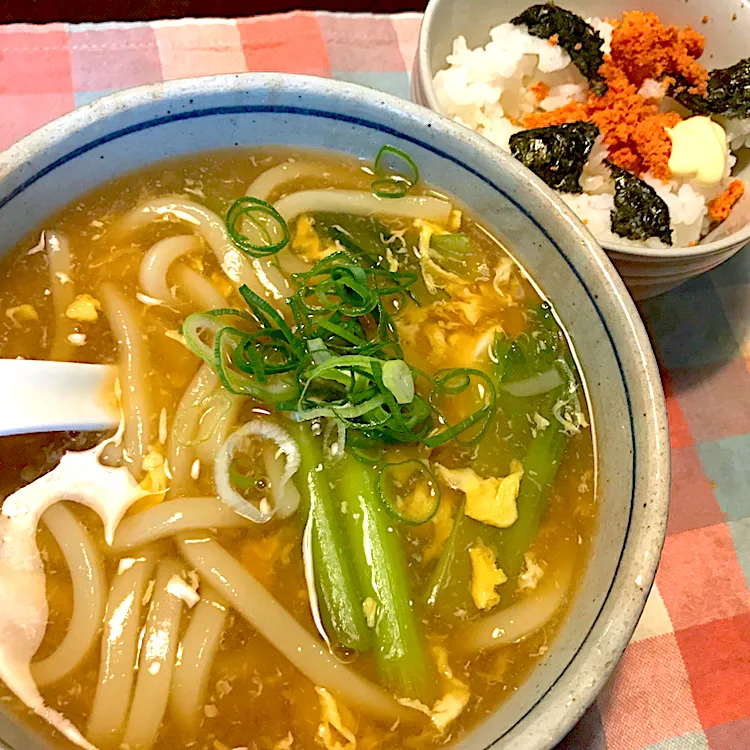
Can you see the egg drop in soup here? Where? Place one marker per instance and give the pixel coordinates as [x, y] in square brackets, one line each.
[353, 488]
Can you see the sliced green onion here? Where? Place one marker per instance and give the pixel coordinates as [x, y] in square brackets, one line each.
[365, 450]
[342, 361]
[236, 380]
[252, 209]
[390, 187]
[393, 182]
[318, 351]
[384, 169]
[398, 379]
[285, 503]
[253, 363]
[197, 324]
[268, 316]
[351, 388]
[454, 382]
[409, 491]
[337, 283]
[194, 328]
[341, 332]
[334, 449]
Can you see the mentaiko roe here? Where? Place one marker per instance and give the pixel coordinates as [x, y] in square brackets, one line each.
[643, 47]
[719, 208]
[631, 125]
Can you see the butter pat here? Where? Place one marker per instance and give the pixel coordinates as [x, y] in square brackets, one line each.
[699, 150]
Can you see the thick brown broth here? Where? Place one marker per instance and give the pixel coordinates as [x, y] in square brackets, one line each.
[256, 698]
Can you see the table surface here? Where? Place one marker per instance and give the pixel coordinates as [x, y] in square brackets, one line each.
[43, 11]
[684, 681]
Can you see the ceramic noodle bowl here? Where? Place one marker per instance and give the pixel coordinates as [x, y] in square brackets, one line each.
[621, 416]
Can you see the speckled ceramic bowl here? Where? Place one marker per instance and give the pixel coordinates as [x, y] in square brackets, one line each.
[647, 272]
[128, 130]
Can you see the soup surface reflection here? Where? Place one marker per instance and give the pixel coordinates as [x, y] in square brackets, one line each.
[392, 358]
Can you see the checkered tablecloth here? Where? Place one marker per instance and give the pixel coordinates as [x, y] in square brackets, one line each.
[684, 682]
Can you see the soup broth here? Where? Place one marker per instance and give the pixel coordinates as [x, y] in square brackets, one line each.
[434, 539]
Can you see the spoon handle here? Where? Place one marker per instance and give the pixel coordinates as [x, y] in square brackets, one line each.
[42, 396]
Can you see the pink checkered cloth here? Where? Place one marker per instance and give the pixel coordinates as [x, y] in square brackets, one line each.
[684, 682]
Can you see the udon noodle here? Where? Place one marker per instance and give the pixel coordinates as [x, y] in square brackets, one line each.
[353, 487]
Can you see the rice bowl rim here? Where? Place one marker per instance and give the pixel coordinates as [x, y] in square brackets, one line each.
[424, 93]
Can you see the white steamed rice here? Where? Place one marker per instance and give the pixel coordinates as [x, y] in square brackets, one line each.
[489, 89]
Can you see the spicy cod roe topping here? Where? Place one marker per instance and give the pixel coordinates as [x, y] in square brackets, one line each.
[719, 208]
[631, 125]
[643, 47]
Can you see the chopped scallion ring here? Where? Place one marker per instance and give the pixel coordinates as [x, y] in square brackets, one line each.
[341, 360]
[409, 492]
[390, 187]
[253, 209]
[453, 382]
[394, 182]
[383, 169]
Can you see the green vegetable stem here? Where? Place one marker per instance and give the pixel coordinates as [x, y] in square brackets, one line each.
[338, 590]
[449, 587]
[534, 363]
[375, 550]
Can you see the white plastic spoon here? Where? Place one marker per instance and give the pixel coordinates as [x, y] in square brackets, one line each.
[40, 396]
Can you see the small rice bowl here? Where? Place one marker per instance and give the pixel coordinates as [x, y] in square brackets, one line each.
[491, 89]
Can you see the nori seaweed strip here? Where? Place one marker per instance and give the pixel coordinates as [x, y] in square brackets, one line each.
[581, 41]
[728, 92]
[556, 154]
[639, 212]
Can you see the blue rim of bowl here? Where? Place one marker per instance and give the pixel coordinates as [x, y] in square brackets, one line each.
[422, 89]
[136, 94]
